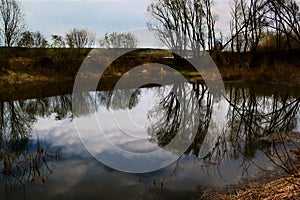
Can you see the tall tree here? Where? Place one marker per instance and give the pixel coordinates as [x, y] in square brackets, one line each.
[239, 26]
[248, 21]
[210, 23]
[11, 20]
[26, 40]
[257, 22]
[58, 41]
[183, 24]
[80, 38]
[285, 20]
[118, 40]
[252, 20]
[39, 40]
[32, 39]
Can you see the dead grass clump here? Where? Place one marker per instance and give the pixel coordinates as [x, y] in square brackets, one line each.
[266, 185]
[284, 188]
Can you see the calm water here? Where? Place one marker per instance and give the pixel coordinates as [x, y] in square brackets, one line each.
[42, 155]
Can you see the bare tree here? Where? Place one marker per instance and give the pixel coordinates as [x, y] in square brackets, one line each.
[248, 21]
[238, 26]
[80, 38]
[59, 49]
[210, 23]
[252, 20]
[11, 20]
[32, 39]
[118, 40]
[26, 40]
[176, 23]
[58, 41]
[182, 25]
[257, 22]
[285, 19]
[39, 40]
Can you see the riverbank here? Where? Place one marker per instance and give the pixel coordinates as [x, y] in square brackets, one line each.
[12, 78]
[240, 76]
[282, 73]
[287, 187]
[39, 66]
[268, 185]
[283, 188]
[287, 76]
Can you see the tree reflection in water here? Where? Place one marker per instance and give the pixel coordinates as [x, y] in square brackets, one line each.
[25, 160]
[119, 99]
[263, 123]
[21, 157]
[252, 123]
[177, 113]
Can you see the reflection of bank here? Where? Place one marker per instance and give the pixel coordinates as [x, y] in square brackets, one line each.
[172, 118]
[32, 161]
[238, 126]
[250, 123]
[177, 113]
[119, 99]
[254, 123]
[24, 158]
[136, 68]
[264, 123]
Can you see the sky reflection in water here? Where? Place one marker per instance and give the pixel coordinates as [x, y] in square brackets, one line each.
[78, 175]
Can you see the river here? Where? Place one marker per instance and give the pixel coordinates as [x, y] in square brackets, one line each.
[102, 148]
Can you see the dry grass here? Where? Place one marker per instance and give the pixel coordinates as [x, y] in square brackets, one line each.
[233, 68]
[267, 185]
[281, 73]
[16, 78]
[284, 188]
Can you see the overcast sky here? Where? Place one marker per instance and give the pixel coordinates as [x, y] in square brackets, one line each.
[100, 16]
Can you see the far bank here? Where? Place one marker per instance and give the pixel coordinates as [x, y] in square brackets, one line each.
[53, 65]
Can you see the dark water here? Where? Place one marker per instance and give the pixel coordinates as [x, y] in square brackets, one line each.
[43, 154]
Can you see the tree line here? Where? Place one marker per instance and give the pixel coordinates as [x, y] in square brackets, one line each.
[13, 33]
[179, 24]
[269, 23]
[254, 23]
[259, 30]
[182, 25]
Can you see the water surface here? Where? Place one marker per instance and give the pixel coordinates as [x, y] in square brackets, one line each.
[238, 135]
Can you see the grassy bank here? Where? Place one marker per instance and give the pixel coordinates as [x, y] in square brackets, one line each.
[34, 66]
[11, 78]
[271, 67]
[39, 65]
